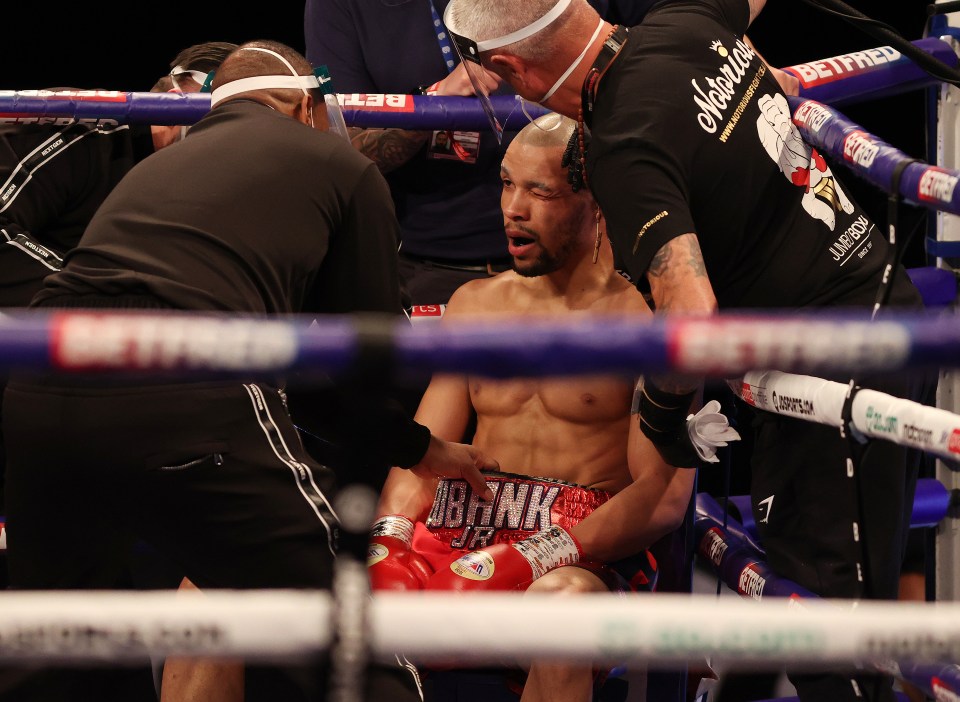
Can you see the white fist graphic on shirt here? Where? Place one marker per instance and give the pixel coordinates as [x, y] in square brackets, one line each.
[800, 164]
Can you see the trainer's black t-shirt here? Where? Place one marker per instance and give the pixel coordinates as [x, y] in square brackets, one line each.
[252, 212]
[691, 133]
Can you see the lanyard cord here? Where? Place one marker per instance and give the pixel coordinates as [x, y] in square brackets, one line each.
[443, 39]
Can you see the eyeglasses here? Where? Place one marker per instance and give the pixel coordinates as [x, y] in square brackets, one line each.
[199, 76]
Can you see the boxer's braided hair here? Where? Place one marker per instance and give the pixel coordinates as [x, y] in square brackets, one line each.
[572, 160]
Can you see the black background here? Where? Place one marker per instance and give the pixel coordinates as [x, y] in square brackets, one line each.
[90, 45]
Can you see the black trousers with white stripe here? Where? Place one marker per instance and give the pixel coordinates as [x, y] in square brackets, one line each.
[213, 475]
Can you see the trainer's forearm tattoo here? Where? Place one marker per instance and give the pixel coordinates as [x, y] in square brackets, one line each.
[661, 260]
[673, 275]
[388, 148]
[683, 250]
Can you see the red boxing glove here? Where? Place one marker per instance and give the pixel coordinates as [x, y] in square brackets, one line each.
[390, 562]
[509, 566]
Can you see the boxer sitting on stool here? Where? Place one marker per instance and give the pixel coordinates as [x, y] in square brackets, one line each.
[587, 488]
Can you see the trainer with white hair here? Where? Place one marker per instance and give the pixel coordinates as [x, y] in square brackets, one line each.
[714, 202]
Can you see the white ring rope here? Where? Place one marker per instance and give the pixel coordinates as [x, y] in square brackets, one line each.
[874, 414]
[122, 627]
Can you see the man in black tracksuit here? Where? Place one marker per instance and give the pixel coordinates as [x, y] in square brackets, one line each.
[54, 175]
[255, 212]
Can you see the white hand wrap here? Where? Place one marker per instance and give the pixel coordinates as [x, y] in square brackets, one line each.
[548, 549]
[395, 526]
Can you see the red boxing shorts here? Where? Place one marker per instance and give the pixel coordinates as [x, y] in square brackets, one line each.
[522, 505]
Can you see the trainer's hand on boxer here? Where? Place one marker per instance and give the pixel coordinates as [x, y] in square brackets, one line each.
[447, 459]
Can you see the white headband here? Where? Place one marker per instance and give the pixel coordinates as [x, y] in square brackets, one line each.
[516, 36]
[242, 85]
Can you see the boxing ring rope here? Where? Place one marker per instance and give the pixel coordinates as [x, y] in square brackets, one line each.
[930, 507]
[119, 627]
[873, 414]
[124, 627]
[185, 342]
[843, 140]
[726, 345]
[873, 159]
[870, 74]
[359, 110]
[728, 546]
[847, 78]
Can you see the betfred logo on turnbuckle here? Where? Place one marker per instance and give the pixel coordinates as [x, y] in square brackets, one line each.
[860, 148]
[713, 546]
[937, 185]
[844, 66]
[751, 582]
